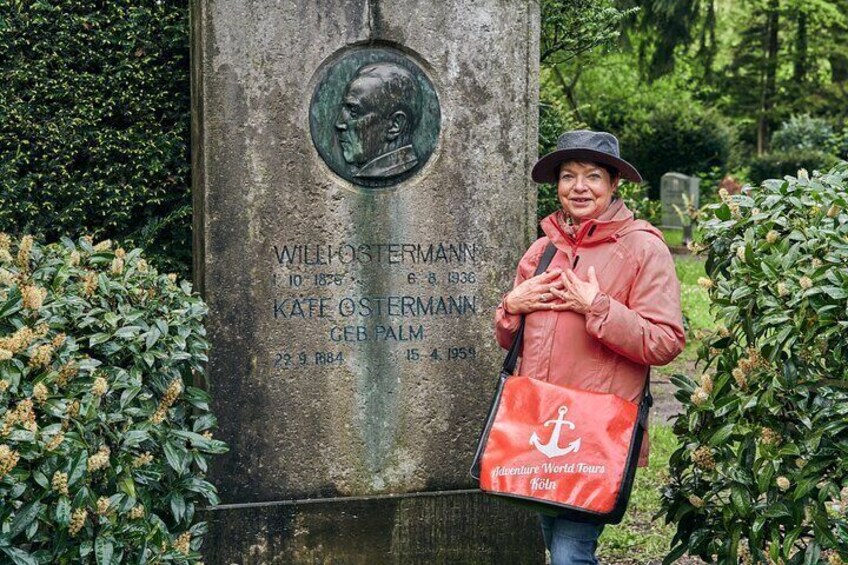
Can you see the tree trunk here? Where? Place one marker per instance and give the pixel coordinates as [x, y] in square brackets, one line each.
[838, 68]
[707, 49]
[568, 87]
[770, 75]
[801, 44]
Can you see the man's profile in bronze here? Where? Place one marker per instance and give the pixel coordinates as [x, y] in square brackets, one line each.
[381, 107]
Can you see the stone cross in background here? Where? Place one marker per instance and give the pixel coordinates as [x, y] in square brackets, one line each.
[362, 198]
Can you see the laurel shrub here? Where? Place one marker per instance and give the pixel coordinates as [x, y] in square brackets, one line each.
[103, 440]
[761, 475]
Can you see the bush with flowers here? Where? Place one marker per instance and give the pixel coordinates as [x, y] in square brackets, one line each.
[761, 475]
[103, 441]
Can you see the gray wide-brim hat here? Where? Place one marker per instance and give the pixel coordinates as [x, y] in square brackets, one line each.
[583, 145]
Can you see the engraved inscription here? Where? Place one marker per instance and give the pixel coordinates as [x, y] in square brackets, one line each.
[370, 253]
[306, 282]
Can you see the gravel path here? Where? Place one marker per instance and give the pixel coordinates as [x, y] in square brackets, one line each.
[665, 405]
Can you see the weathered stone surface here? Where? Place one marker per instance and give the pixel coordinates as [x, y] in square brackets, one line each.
[352, 326]
[442, 529]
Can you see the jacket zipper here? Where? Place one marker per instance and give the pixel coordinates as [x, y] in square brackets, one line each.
[577, 244]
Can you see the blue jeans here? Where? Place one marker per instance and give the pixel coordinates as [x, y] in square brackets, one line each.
[571, 543]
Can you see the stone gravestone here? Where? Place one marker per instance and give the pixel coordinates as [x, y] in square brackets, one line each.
[675, 190]
[362, 198]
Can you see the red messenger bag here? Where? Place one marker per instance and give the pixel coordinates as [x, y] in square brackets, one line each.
[562, 451]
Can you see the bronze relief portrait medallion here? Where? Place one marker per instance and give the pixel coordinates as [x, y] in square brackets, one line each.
[374, 117]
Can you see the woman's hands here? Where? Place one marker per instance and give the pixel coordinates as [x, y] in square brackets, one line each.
[536, 293]
[576, 294]
[554, 290]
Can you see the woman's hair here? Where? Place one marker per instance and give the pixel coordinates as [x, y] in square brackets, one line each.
[613, 172]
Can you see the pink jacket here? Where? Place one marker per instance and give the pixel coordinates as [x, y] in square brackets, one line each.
[635, 321]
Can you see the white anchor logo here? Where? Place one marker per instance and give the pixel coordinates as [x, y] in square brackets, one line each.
[552, 448]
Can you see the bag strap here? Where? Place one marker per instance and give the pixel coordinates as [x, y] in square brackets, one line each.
[647, 401]
[512, 357]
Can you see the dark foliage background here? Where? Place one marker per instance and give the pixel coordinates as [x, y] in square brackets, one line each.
[95, 123]
[778, 164]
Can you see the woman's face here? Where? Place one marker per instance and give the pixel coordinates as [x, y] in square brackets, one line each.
[584, 189]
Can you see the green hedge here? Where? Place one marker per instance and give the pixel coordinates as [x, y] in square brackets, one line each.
[681, 137]
[782, 163]
[95, 122]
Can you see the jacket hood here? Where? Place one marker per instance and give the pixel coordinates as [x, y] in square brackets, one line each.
[614, 223]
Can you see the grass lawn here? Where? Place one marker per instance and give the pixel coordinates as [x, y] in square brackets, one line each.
[637, 539]
[674, 236]
[694, 299]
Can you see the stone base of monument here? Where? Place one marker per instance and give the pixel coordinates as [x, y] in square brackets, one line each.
[459, 527]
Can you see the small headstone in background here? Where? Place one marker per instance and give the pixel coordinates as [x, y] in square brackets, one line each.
[677, 193]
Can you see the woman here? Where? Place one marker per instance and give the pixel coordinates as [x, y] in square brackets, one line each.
[608, 305]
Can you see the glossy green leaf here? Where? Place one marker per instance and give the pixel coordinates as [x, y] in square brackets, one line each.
[25, 516]
[103, 550]
[19, 556]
